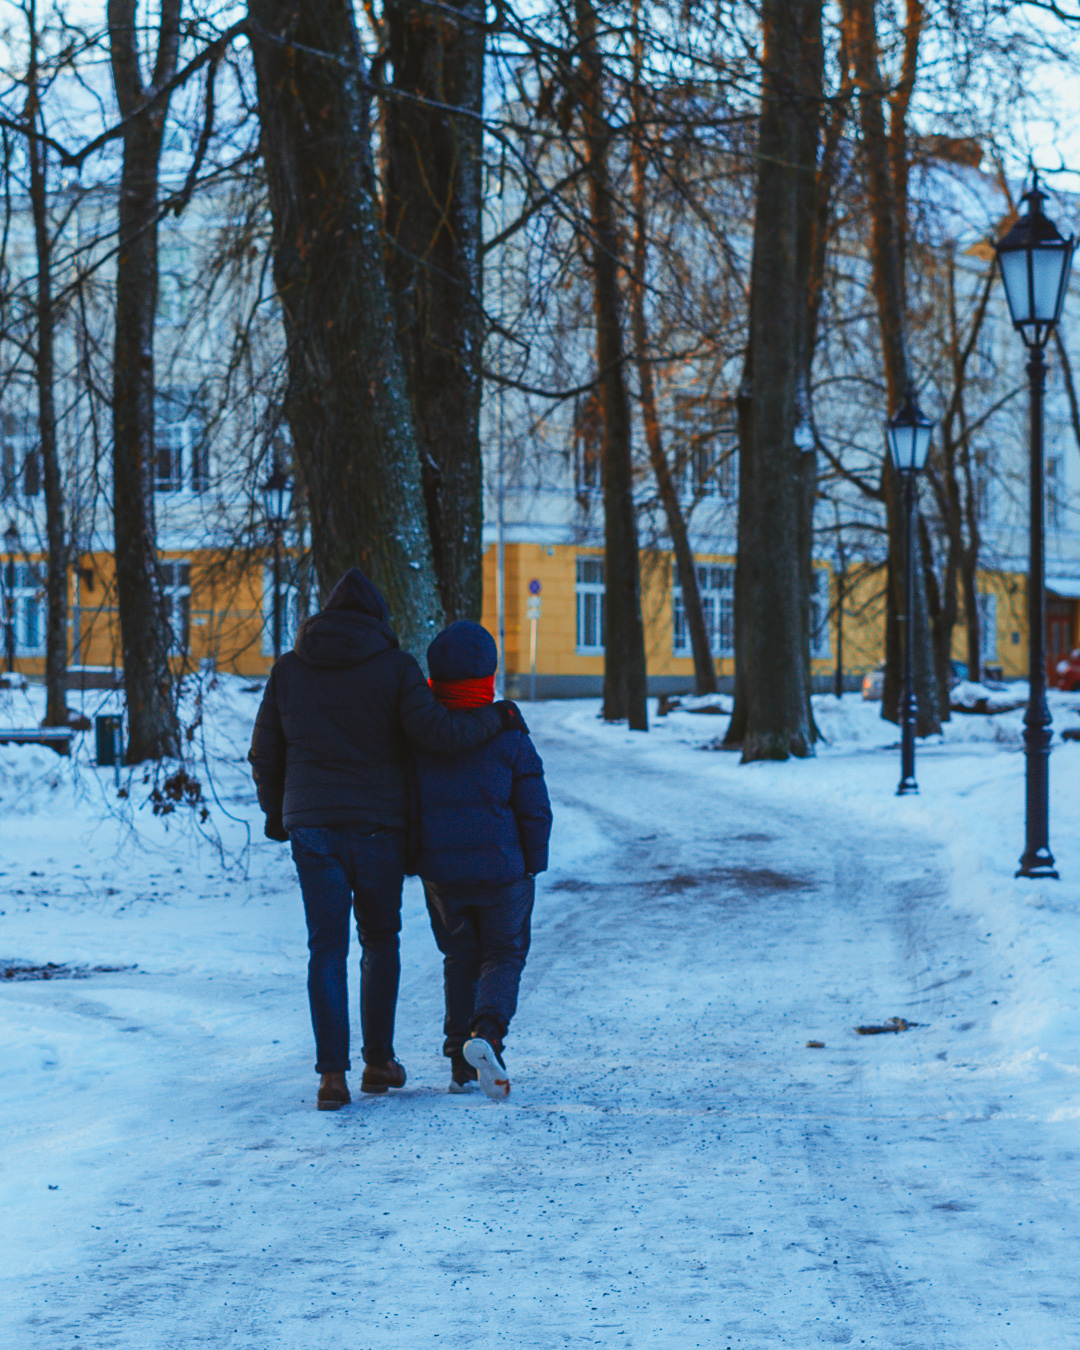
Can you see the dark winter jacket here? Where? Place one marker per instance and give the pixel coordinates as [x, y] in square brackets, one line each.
[338, 714]
[485, 813]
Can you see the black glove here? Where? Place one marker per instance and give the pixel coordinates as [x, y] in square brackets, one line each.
[512, 719]
[274, 829]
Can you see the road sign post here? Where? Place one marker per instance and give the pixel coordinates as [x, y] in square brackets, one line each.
[532, 613]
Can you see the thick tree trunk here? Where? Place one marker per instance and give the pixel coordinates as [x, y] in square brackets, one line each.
[56, 636]
[885, 159]
[153, 727]
[772, 717]
[433, 160]
[348, 402]
[704, 669]
[624, 642]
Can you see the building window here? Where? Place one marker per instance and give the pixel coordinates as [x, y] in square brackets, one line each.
[590, 604]
[819, 613]
[29, 609]
[716, 585]
[988, 641]
[588, 447]
[180, 442]
[707, 451]
[20, 455]
[176, 586]
[293, 610]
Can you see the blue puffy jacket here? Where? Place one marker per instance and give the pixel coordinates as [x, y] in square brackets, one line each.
[485, 813]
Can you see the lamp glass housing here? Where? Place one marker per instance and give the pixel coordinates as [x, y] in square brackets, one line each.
[278, 495]
[11, 539]
[1035, 262]
[909, 433]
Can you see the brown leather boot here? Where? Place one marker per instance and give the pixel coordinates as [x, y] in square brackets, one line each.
[379, 1077]
[333, 1092]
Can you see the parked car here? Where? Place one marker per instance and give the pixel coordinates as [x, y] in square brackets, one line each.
[874, 680]
[1068, 672]
[872, 684]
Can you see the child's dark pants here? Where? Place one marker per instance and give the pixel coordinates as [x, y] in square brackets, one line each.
[483, 933]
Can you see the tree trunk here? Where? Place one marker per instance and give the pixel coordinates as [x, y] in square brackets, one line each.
[772, 717]
[56, 635]
[624, 641]
[348, 402]
[704, 669]
[433, 163]
[885, 159]
[153, 727]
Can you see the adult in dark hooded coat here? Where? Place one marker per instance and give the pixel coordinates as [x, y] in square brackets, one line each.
[329, 756]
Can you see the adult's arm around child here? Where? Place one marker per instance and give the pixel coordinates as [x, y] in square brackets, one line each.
[442, 731]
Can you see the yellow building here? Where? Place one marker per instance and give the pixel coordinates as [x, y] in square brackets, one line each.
[220, 613]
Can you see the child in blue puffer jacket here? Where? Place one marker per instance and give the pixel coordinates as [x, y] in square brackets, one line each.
[485, 824]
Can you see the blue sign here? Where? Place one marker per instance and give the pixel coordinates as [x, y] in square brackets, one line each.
[534, 587]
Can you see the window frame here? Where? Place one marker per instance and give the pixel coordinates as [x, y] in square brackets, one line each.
[183, 438]
[590, 605]
[718, 602]
[292, 597]
[175, 576]
[28, 596]
[20, 457]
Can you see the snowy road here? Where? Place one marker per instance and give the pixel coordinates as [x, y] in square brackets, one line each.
[674, 1168]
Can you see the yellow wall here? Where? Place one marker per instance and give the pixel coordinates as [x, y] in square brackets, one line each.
[226, 619]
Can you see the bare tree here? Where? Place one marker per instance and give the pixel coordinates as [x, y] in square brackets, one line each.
[704, 669]
[153, 728]
[885, 157]
[348, 403]
[433, 153]
[624, 640]
[56, 636]
[772, 717]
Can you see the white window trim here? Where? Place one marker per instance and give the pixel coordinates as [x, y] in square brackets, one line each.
[190, 430]
[713, 599]
[291, 617]
[174, 590]
[581, 590]
[28, 595]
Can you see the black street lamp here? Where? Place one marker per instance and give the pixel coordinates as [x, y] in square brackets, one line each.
[908, 433]
[1035, 262]
[277, 497]
[11, 545]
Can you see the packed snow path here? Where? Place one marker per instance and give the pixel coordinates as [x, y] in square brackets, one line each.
[674, 1167]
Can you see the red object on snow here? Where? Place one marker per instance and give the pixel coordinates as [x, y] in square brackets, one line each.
[1067, 673]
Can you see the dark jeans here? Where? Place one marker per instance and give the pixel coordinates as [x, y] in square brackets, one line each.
[343, 871]
[483, 934]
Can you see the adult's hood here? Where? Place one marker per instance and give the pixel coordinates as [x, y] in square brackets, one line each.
[358, 592]
[351, 628]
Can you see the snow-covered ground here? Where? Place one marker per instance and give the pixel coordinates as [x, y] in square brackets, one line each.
[674, 1168]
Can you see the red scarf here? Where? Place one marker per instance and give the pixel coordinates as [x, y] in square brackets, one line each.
[464, 693]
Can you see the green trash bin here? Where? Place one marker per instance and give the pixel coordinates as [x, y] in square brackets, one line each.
[109, 734]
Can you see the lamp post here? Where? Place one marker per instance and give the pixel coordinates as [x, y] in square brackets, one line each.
[277, 496]
[11, 545]
[1035, 262]
[908, 434]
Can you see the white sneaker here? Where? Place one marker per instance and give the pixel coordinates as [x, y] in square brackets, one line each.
[494, 1080]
